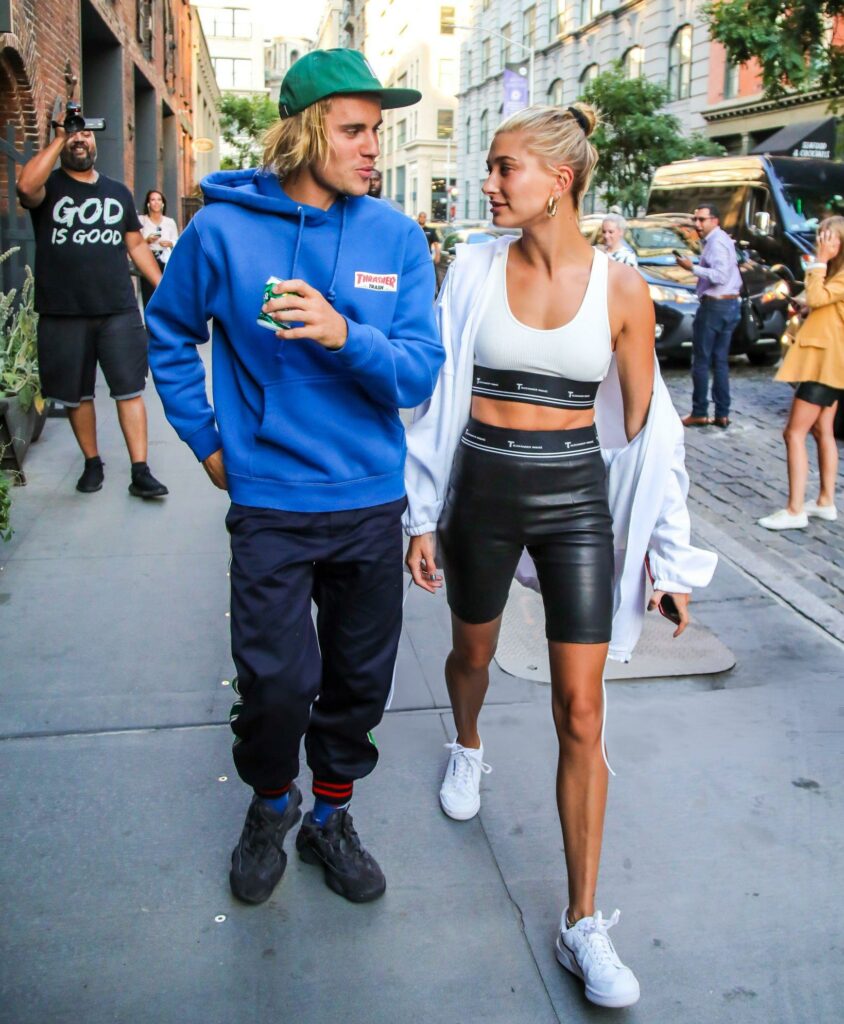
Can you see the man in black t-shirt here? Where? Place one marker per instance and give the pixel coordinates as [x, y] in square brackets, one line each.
[85, 223]
[431, 235]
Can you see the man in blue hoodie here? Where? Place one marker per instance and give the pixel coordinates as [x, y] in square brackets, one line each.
[305, 436]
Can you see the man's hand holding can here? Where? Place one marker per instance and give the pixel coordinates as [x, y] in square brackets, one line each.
[295, 301]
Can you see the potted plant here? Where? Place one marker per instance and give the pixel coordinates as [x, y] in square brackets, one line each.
[22, 409]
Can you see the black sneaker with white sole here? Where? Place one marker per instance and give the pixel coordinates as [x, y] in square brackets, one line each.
[258, 860]
[144, 484]
[349, 869]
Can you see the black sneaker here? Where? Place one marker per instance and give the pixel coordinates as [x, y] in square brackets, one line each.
[349, 869]
[92, 476]
[144, 484]
[258, 860]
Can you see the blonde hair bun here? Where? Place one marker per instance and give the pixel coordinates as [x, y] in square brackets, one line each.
[588, 119]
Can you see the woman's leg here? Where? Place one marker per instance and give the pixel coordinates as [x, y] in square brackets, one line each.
[822, 431]
[467, 674]
[577, 702]
[801, 419]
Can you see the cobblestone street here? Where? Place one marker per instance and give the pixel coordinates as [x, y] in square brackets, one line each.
[739, 474]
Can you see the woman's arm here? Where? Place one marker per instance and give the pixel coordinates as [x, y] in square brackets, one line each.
[821, 292]
[632, 324]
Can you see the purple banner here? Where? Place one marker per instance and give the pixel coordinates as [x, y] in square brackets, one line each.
[515, 91]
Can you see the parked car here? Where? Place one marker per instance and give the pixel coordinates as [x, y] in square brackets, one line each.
[672, 288]
[769, 204]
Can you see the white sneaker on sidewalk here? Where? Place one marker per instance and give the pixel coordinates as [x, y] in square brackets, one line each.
[460, 795]
[587, 951]
[784, 520]
[814, 510]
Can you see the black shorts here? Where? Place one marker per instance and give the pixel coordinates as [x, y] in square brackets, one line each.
[541, 490]
[817, 394]
[69, 348]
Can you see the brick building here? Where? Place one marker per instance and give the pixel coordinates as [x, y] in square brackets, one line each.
[128, 61]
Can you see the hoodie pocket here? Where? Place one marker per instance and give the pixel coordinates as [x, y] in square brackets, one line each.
[325, 430]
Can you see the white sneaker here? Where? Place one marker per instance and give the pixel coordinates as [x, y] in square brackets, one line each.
[828, 512]
[586, 950]
[784, 520]
[460, 795]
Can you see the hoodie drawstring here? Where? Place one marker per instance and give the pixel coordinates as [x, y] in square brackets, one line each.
[298, 241]
[331, 295]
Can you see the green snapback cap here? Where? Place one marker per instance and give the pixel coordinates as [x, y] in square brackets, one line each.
[339, 72]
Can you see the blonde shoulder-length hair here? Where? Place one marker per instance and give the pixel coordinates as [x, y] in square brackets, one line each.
[836, 225]
[295, 141]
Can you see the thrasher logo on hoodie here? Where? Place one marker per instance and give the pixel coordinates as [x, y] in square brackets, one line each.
[376, 282]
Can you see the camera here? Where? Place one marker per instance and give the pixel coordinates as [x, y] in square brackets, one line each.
[75, 122]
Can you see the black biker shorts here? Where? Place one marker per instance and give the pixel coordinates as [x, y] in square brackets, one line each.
[817, 394]
[541, 490]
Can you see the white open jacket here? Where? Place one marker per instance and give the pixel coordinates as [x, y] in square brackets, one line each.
[647, 477]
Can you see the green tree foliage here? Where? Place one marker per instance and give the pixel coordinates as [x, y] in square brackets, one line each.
[633, 137]
[243, 121]
[791, 39]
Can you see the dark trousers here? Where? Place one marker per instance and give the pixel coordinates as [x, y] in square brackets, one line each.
[714, 324]
[329, 683]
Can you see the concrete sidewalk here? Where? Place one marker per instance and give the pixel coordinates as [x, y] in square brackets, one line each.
[120, 804]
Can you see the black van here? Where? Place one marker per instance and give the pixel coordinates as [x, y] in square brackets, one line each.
[770, 204]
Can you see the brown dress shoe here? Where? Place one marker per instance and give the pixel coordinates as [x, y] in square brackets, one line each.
[722, 421]
[696, 421]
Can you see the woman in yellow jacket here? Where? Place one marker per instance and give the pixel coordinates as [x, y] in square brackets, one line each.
[815, 362]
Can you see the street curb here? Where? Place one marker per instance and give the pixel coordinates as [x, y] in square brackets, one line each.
[783, 587]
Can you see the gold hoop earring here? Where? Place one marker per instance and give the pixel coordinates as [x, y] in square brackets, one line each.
[551, 206]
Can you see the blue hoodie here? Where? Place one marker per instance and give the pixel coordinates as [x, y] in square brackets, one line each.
[302, 428]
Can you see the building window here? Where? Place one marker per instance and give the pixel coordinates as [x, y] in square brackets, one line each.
[447, 21]
[731, 79]
[233, 72]
[680, 64]
[468, 137]
[483, 134]
[227, 22]
[447, 80]
[589, 10]
[400, 180]
[401, 133]
[466, 198]
[587, 75]
[390, 182]
[445, 124]
[556, 20]
[389, 146]
[633, 62]
[529, 27]
[486, 58]
[555, 93]
[506, 34]
[483, 203]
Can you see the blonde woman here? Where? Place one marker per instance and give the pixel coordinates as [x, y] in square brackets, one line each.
[815, 362]
[506, 456]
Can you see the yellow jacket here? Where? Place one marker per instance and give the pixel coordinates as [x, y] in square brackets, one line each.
[818, 352]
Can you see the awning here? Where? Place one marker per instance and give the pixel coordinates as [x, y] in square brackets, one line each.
[804, 138]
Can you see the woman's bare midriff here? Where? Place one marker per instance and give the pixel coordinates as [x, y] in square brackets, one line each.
[521, 416]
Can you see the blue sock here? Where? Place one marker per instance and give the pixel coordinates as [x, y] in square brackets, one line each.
[278, 803]
[322, 810]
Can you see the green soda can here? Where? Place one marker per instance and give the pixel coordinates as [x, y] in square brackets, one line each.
[264, 319]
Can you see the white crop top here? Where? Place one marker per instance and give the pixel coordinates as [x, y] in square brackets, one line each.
[579, 351]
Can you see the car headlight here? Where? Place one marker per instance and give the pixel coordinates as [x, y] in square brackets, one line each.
[777, 293]
[662, 293]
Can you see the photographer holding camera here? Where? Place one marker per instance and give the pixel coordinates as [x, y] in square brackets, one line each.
[85, 223]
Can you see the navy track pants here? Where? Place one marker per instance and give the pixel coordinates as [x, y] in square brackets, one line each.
[329, 683]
